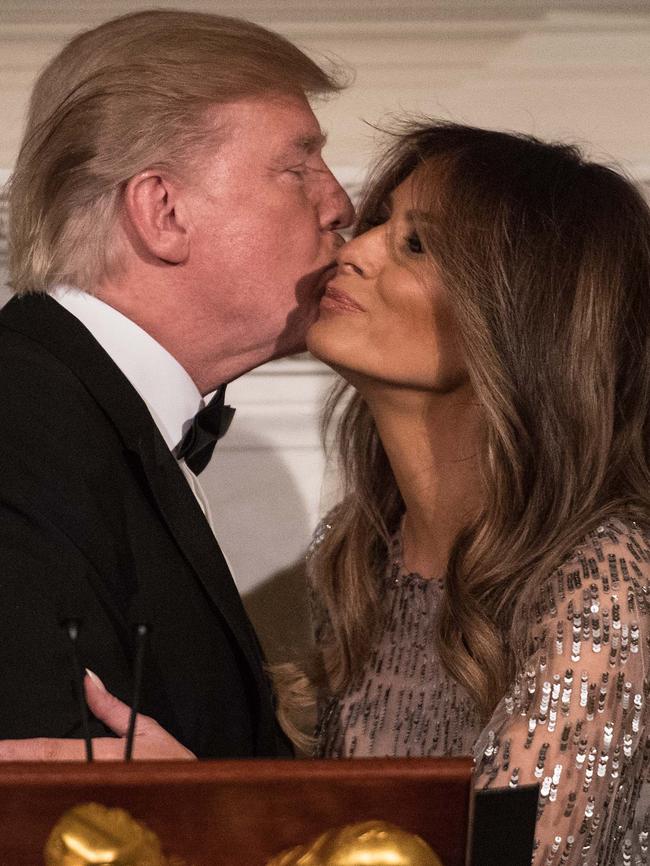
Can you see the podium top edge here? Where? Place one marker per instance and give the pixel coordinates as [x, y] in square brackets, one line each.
[241, 771]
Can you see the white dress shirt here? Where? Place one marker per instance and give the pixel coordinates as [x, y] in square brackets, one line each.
[166, 387]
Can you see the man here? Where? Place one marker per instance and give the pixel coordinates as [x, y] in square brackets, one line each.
[172, 226]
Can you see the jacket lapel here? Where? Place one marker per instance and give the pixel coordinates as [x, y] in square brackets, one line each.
[40, 318]
[187, 524]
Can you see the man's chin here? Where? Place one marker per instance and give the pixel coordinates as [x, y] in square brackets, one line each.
[293, 339]
[308, 293]
[290, 344]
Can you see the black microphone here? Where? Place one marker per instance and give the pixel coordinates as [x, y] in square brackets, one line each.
[141, 635]
[72, 627]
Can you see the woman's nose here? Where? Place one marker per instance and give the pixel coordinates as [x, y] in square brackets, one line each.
[362, 255]
[348, 267]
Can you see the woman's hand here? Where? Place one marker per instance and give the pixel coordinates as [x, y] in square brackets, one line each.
[151, 742]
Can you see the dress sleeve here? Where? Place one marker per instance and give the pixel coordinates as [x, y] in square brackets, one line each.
[575, 720]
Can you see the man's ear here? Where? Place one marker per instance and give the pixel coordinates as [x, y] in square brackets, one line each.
[150, 205]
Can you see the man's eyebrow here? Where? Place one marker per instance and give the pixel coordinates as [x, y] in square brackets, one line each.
[304, 145]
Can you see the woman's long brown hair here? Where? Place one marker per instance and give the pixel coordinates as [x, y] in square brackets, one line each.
[546, 258]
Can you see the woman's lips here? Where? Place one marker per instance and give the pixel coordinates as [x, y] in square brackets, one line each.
[337, 299]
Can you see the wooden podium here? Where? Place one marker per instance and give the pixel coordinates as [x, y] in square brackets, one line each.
[242, 813]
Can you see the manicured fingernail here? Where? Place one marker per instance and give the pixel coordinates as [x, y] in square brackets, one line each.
[96, 680]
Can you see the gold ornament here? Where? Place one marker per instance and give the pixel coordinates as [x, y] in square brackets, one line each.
[93, 834]
[372, 843]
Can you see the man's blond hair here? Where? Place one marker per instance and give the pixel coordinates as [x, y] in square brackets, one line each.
[130, 94]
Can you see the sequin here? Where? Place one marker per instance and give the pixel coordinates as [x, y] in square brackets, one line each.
[575, 721]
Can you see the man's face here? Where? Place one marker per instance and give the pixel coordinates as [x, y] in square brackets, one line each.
[263, 213]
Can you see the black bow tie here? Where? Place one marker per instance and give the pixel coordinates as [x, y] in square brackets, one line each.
[207, 427]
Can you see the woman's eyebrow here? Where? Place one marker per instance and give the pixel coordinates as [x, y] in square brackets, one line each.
[386, 204]
[419, 215]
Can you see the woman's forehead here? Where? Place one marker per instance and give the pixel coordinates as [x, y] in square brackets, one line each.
[419, 194]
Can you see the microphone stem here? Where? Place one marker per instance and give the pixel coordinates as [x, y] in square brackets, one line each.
[72, 628]
[142, 631]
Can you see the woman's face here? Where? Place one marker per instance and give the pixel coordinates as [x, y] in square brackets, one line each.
[386, 314]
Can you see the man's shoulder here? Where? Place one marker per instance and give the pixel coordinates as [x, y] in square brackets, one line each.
[25, 358]
[35, 384]
[50, 425]
[56, 376]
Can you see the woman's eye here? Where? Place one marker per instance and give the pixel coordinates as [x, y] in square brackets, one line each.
[414, 243]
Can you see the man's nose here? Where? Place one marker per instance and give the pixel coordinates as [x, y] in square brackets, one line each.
[338, 211]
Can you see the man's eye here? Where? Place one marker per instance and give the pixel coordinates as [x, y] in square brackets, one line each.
[298, 170]
[414, 243]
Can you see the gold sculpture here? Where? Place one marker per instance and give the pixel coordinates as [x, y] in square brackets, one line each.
[93, 834]
[372, 843]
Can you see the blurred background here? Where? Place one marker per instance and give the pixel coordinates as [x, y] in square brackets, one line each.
[575, 71]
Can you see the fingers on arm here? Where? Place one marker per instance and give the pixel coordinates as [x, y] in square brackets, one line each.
[151, 740]
[42, 749]
[105, 706]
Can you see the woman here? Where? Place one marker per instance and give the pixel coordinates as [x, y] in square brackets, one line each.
[482, 588]
[483, 585]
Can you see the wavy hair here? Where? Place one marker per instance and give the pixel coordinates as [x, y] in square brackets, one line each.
[128, 95]
[546, 257]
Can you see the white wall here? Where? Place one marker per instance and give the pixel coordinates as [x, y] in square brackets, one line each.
[575, 70]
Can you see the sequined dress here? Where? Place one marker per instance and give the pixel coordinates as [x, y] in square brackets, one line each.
[575, 720]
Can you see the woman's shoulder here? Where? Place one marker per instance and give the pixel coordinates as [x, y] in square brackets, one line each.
[602, 585]
[612, 554]
[615, 532]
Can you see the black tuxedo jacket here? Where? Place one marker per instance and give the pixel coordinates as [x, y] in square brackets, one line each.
[98, 523]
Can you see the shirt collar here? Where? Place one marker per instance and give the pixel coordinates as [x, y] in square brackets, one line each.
[165, 386]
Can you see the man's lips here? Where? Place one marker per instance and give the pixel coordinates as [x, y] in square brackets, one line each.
[339, 298]
[330, 270]
[325, 274]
